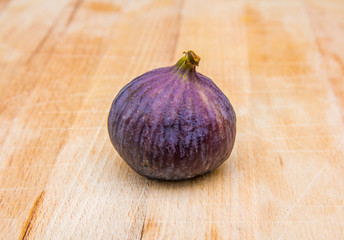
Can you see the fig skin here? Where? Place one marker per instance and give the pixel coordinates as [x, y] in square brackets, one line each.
[172, 123]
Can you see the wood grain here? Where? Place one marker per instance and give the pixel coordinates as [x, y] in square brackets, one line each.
[281, 63]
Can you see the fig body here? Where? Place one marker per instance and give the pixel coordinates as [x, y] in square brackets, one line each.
[172, 123]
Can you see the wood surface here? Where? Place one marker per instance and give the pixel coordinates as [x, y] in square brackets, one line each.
[281, 64]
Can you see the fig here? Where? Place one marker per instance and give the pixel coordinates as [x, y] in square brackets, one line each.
[172, 123]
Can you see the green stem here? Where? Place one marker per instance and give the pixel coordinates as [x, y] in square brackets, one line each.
[188, 62]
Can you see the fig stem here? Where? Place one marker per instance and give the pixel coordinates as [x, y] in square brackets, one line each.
[188, 62]
[192, 58]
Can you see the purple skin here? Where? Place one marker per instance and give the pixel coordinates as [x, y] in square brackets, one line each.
[172, 123]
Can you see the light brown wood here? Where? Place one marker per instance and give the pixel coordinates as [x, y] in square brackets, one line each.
[281, 63]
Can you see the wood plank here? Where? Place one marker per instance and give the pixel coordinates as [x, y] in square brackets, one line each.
[327, 24]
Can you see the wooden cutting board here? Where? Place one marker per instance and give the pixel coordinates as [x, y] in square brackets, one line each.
[281, 63]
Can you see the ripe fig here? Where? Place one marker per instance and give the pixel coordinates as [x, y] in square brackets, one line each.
[172, 123]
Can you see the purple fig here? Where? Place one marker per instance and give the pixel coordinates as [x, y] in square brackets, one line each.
[172, 123]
